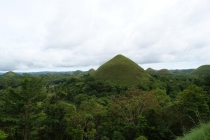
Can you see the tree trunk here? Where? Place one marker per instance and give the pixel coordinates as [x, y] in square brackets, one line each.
[25, 133]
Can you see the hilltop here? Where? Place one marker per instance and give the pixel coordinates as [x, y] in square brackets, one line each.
[10, 74]
[158, 72]
[122, 70]
[91, 71]
[151, 71]
[204, 69]
[164, 71]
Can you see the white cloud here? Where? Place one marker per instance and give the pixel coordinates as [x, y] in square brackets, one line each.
[61, 34]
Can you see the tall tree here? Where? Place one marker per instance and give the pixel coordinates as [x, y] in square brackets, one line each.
[21, 107]
[192, 104]
[54, 123]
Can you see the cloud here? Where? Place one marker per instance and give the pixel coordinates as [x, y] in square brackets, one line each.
[56, 34]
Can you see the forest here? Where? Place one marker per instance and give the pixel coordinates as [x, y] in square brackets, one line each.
[79, 106]
[118, 101]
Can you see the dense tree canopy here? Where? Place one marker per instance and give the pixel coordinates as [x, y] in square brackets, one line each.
[77, 107]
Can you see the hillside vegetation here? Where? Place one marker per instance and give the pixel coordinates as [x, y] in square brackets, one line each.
[200, 133]
[78, 105]
[204, 69]
[75, 106]
[122, 70]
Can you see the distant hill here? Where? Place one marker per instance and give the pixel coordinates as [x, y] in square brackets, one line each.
[204, 69]
[91, 71]
[78, 72]
[164, 71]
[151, 71]
[158, 72]
[10, 74]
[122, 70]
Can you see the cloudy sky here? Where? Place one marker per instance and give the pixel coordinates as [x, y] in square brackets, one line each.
[37, 35]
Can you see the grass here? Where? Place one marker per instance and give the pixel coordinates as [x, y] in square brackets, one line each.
[200, 133]
[122, 70]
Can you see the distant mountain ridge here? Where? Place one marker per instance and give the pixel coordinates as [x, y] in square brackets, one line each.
[182, 71]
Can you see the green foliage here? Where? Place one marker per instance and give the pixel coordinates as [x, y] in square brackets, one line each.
[191, 108]
[200, 133]
[122, 70]
[78, 133]
[21, 107]
[104, 138]
[162, 98]
[3, 135]
[79, 106]
[205, 69]
[54, 122]
[141, 138]
[118, 136]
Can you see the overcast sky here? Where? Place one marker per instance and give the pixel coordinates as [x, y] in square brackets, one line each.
[37, 35]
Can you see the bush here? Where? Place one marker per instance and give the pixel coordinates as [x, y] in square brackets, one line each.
[3, 135]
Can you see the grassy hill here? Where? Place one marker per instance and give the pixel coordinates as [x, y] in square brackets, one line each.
[164, 71]
[151, 71]
[158, 72]
[91, 71]
[204, 69]
[10, 74]
[122, 70]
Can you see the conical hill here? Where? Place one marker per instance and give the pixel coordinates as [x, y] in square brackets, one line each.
[10, 74]
[204, 69]
[164, 71]
[151, 71]
[91, 71]
[122, 70]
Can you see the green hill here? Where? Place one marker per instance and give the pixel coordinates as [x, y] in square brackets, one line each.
[10, 74]
[91, 71]
[164, 71]
[122, 70]
[204, 69]
[151, 71]
[158, 72]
